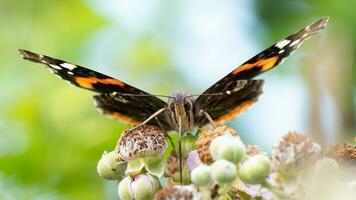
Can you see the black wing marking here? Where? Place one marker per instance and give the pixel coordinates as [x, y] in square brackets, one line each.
[239, 95]
[130, 109]
[116, 98]
[262, 62]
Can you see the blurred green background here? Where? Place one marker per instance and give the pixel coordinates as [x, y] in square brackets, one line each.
[51, 136]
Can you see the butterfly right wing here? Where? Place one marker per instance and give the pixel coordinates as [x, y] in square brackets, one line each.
[238, 91]
[116, 99]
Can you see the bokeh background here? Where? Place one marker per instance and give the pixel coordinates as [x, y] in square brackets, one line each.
[51, 137]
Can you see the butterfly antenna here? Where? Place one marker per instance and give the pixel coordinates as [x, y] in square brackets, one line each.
[207, 94]
[144, 95]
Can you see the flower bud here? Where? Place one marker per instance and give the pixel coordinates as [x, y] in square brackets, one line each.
[201, 175]
[139, 187]
[206, 137]
[110, 169]
[223, 171]
[227, 147]
[327, 167]
[293, 154]
[255, 169]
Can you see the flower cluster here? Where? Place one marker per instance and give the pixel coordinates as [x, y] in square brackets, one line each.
[218, 165]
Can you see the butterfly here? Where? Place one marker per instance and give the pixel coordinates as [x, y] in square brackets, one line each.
[224, 100]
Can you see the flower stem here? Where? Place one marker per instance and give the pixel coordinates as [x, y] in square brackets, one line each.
[276, 191]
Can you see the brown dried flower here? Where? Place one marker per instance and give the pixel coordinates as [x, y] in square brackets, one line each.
[173, 192]
[252, 150]
[145, 140]
[293, 151]
[206, 137]
[344, 153]
[173, 164]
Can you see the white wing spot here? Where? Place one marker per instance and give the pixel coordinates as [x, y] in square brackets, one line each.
[282, 43]
[228, 92]
[68, 66]
[294, 42]
[55, 67]
[281, 51]
[70, 73]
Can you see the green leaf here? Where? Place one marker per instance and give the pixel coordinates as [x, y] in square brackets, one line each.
[243, 195]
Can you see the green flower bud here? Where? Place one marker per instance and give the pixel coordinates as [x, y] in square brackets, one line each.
[327, 168]
[255, 169]
[201, 175]
[124, 189]
[223, 171]
[139, 187]
[110, 169]
[227, 147]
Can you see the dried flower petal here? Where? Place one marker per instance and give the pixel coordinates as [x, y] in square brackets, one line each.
[294, 151]
[344, 153]
[145, 140]
[252, 150]
[173, 192]
[173, 168]
[205, 139]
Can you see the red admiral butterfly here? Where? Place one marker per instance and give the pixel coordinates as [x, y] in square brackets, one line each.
[224, 100]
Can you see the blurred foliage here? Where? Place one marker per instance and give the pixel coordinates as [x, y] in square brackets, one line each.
[51, 137]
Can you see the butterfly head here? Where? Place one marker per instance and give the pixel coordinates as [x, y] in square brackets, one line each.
[181, 107]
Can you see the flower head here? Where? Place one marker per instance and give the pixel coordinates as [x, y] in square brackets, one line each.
[205, 139]
[255, 169]
[223, 171]
[178, 192]
[139, 187]
[145, 140]
[109, 168]
[344, 153]
[252, 150]
[293, 152]
[227, 147]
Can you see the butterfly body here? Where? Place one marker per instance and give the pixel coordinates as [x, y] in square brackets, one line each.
[180, 112]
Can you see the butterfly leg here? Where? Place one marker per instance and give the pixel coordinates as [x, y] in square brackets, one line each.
[151, 117]
[209, 118]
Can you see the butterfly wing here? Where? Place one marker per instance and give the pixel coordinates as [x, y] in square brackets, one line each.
[240, 96]
[116, 99]
[226, 108]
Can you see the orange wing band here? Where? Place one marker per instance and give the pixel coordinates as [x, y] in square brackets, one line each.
[236, 111]
[87, 82]
[265, 64]
[122, 118]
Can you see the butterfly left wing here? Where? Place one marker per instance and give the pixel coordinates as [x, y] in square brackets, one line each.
[116, 99]
[262, 62]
